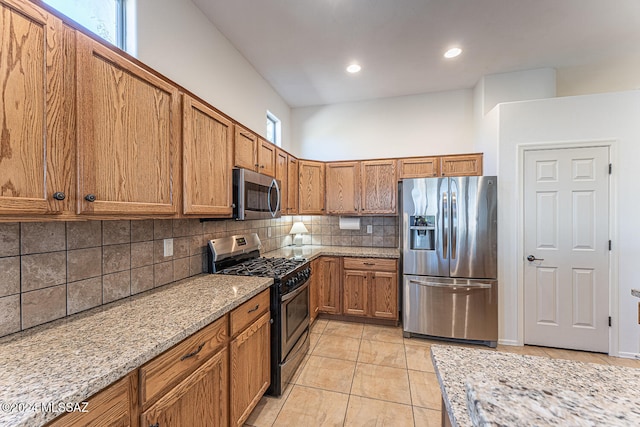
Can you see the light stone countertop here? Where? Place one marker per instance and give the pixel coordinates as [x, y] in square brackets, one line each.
[313, 251]
[635, 292]
[73, 358]
[487, 387]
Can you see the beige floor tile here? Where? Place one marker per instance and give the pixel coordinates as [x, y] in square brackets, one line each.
[381, 382]
[327, 374]
[267, 410]
[319, 325]
[427, 417]
[425, 390]
[383, 333]
[619, 361]
[300, 368]
[338, 347]
[527, 350]
[382, 353]
[344, 329]
[419, 358]
[580, 356]
[363, 412]
[312, 407]
[422, 341]
[313, 340]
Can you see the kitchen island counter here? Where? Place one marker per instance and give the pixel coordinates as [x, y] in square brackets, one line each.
[486, 387]
[314, 251]
[71, 359]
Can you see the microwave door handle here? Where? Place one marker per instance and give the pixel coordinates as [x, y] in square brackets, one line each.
[273, 212]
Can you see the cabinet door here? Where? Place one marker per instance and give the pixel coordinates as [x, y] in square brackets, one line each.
[200, 400]
[207, 161]
[115, 406]
[384, 295]
[470, 165]
[311, 201]
[246, 148]
[250, 369]
[330, 283]
[282, 161]
[35, 155]
[355, 293]
[292, 183]
[420, 167]
[267, 158]
[343, 182]
[379, 187]
[128, 127]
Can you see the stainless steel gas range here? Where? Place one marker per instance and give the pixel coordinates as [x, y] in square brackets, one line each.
[240, 255]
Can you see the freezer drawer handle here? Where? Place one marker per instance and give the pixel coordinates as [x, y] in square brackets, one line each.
[443, 285]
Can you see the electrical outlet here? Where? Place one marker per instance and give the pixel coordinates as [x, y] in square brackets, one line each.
[369, 229]
[168, 247]
[268, 231]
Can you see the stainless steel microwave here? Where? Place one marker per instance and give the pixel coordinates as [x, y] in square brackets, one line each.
[255, 196]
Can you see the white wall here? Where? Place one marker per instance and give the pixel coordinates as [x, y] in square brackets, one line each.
[176, 39]
[608, 117]
[433, 123]
[516, 86]
[613, 75]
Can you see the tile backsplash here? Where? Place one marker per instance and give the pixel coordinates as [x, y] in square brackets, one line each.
[49, 270]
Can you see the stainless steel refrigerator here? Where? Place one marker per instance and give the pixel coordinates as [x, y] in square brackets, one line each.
[449, 251]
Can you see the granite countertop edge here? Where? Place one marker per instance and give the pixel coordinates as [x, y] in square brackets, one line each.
[59, 336]
[312, 252]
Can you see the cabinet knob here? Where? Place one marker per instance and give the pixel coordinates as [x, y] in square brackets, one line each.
[59, 195]
[90, 198]
[257, 164]
[261, 166]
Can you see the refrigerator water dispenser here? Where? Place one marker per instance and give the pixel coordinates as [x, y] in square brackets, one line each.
[422, 232]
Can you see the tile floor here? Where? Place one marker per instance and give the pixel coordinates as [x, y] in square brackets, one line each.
[369, 375]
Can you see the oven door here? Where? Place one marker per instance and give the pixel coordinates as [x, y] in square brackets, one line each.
[294, 315]
[256, 196]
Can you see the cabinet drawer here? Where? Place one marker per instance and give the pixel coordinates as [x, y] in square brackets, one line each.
[166, 370]
[248, 312]
[377, 264]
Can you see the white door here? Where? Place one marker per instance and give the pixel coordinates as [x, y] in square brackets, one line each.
[566, 228]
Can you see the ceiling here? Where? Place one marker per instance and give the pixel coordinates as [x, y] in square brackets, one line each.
[302, 47]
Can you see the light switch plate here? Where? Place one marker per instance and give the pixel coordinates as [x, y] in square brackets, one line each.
[369, 229]
[168, 247]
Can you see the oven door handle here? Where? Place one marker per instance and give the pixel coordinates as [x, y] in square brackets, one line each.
[295, 293]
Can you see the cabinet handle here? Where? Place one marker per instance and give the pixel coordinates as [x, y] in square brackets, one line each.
[369, 263]
[155, 425]
[254, 308]
[90, 198]
[188, 355]
[257, 164]
[59, 195]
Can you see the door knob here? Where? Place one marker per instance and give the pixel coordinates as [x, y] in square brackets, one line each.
[532, 258]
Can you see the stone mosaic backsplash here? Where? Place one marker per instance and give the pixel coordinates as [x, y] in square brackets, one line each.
[49, 270]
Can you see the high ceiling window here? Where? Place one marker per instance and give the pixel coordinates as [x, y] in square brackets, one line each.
[273, 129]
[106, 18]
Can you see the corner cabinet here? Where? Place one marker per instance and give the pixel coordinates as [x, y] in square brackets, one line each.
[128, 130]
[311, 184]
[35, 166]
[207, 156]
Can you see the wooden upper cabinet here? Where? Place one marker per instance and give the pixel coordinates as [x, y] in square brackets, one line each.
[311, 201]
[282, 163]
[266, 158]
[470, 165]
[292, 184]
[379, 187]
[245, 151]
[419, 167]
[128, 123]
[343, 188]
[207, 160]
[35, 159]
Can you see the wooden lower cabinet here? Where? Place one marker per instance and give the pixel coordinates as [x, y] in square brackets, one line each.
[384, 295]
[354, 293]
[115, 406]
[329, 271]
[250, 368]
[201, 399]
[370, 288]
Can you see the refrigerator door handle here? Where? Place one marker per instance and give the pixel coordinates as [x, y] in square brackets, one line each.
[451, 286]
[454, 225]
[445, 226]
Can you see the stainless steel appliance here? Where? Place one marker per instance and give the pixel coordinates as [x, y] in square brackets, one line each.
[255, 196]
[240, 255]
[449, 252]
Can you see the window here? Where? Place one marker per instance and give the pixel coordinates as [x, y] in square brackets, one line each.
[103, 17]
[273, 129]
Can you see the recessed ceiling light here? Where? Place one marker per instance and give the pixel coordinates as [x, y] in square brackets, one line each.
[354, 68]
[453, 52]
